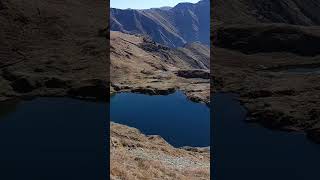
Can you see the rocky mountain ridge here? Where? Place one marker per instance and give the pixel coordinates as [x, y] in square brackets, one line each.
[173, 27]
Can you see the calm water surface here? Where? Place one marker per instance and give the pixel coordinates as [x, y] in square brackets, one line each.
[250, 152]
[52, 138]
[62, 138]
[173, 117]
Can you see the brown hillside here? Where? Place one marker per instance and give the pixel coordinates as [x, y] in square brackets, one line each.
[141, 65]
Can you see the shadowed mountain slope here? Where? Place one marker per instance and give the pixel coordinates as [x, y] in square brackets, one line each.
[255, 26]
[295, 12]
[55, 48]
[268, 38]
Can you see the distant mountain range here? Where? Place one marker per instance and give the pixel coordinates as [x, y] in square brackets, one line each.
[173, 27]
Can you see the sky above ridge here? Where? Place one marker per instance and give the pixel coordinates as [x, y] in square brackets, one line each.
[146, 4]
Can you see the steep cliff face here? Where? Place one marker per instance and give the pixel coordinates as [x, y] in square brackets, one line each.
[184, 23]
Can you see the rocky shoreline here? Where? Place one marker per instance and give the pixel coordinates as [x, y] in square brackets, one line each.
[192, 95]
[278, 88]
[56, 49]
[142, 66]
[87, 90]
[270, 59]
[139, 65]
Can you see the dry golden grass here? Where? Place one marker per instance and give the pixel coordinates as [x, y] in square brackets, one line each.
[135, 156]
[134, 68]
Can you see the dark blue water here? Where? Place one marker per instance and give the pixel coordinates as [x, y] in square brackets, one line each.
[250, 152]
[52, 138]
[173, 117]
